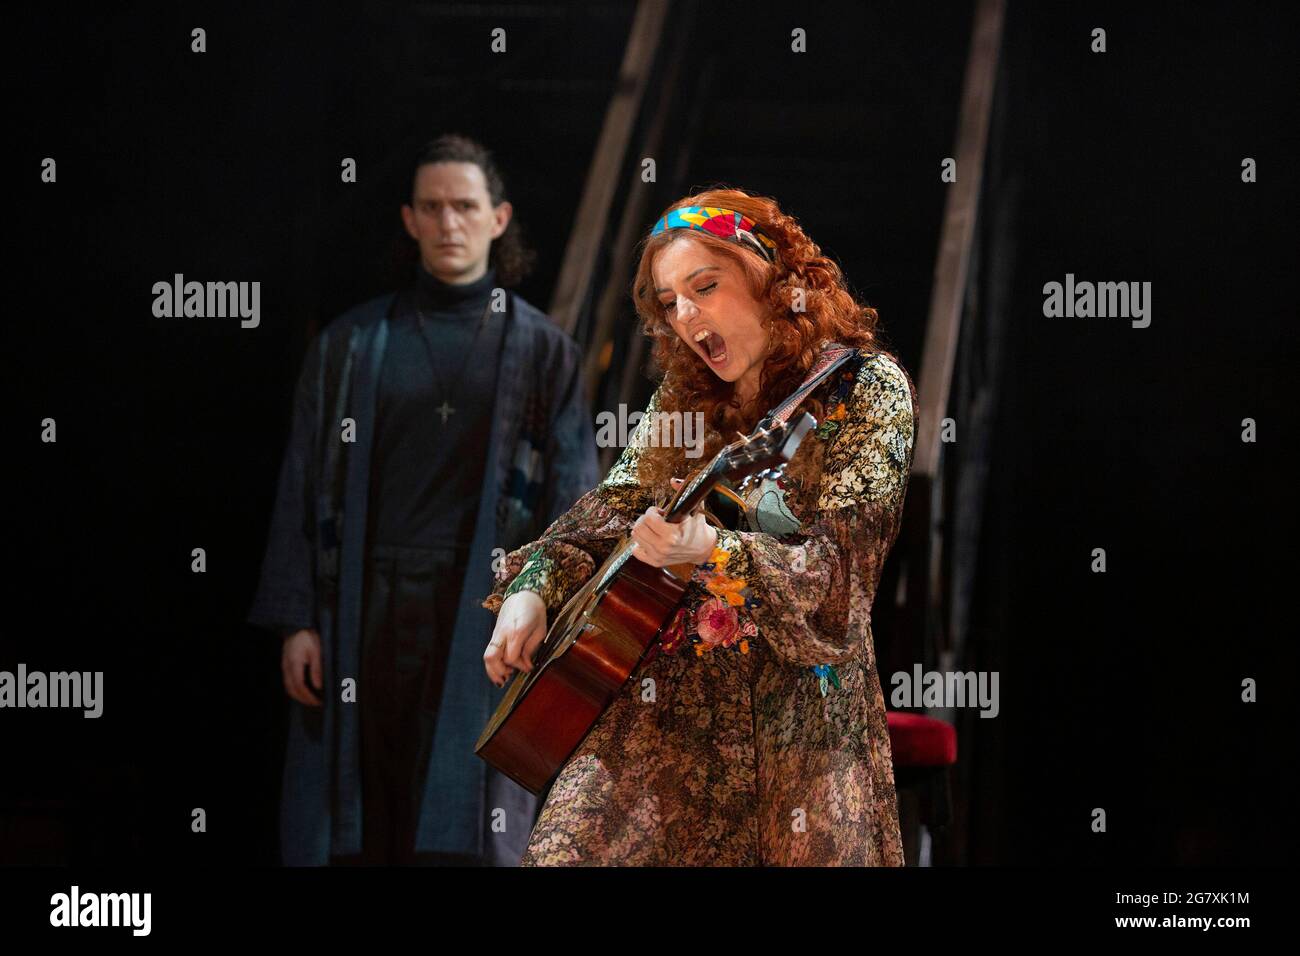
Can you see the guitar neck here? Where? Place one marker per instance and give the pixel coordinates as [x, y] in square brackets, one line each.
[691, 494]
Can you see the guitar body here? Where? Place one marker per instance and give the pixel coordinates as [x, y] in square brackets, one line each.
[593, 647]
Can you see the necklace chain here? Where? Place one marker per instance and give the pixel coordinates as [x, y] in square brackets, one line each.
[445, 409]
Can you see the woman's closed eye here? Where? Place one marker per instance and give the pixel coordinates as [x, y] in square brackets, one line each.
[668, 306]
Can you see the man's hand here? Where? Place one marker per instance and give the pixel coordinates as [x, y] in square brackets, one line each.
[660, 544]
[301, 650]
[521, 627]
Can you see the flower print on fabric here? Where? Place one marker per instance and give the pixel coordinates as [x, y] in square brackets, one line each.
[714, 613]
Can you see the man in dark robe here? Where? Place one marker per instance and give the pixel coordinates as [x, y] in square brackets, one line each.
[434, 429]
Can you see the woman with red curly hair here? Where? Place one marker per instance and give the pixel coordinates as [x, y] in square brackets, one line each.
[762, 739]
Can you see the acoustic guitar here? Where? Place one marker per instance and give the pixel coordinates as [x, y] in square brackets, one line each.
[602, 634]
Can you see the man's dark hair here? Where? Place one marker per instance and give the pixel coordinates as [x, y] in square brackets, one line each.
[510, 256]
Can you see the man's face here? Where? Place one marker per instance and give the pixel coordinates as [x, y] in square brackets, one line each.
[452, 218]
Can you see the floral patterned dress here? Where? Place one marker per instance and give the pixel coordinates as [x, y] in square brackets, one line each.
[754, 733]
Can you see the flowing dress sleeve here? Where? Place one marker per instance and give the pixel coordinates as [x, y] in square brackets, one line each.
[576, 543]
[811, 591]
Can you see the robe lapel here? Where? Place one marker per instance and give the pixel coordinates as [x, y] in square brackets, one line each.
[343, 731]
[461, 791]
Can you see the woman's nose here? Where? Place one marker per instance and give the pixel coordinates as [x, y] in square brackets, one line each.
[686, 308]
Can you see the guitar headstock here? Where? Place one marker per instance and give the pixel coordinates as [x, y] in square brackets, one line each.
[765, 452]
[761, 454]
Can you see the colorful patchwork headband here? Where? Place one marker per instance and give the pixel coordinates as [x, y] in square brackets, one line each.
[720, 222]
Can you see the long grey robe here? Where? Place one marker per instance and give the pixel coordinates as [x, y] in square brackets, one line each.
[541, 458]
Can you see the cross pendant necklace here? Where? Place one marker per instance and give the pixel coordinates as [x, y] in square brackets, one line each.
[446, 410]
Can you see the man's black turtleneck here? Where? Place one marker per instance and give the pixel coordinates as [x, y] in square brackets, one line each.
[427, 476]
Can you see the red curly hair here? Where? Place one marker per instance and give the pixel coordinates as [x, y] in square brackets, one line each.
[830, 312]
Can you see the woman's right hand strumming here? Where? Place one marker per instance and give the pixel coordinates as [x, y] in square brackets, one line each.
[521, 627]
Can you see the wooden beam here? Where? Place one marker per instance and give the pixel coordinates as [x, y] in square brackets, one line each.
[943, 327]
[613, 303]
[607, 164]
[684, 156]
[921, 575]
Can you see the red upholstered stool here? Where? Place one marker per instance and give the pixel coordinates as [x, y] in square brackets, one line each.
[924, 749]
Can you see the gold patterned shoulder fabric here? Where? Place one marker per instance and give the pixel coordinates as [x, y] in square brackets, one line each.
[870, 455]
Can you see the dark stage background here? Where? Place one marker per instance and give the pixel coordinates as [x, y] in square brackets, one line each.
[1119, 690]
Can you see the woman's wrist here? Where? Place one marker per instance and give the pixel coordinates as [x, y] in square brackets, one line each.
[711, 540]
